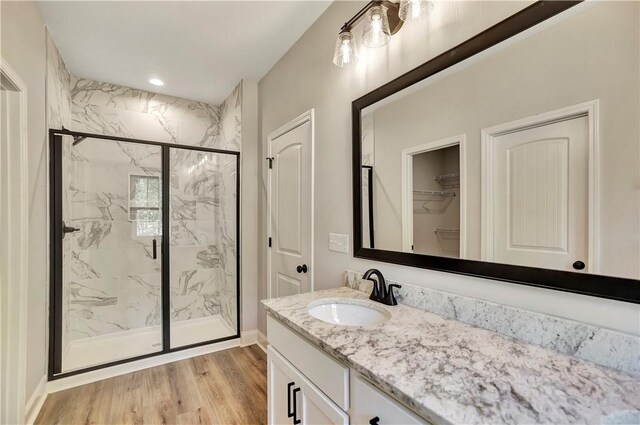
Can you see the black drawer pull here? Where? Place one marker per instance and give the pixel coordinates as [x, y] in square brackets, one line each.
[290, 412]
[155, 249]
[374, 421]
[296, 421]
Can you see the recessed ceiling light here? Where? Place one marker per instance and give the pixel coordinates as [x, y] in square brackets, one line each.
[156, 82]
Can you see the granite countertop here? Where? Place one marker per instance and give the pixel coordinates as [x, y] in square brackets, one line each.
[451, 372]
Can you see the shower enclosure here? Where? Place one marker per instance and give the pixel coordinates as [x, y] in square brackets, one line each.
[144, 249]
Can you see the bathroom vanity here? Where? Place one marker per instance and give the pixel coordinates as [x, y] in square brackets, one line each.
[418, 367]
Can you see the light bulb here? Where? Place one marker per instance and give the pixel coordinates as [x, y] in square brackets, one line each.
[413, 10]
[375, 32]
[346, 52]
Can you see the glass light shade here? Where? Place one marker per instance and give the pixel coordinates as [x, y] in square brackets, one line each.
[346, 53]
[375, 32]
[413, 10]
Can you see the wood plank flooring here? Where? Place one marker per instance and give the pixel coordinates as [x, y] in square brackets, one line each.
[227, 387]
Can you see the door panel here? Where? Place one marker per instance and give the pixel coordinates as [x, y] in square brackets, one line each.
[290, 203]
[283, 379]
[203, 263]
[541, 196]
[109, 286]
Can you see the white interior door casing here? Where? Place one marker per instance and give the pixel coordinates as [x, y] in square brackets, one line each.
[14, 244]
[541, 196]
[290, 208]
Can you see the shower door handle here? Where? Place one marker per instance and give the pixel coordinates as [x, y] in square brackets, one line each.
[69, 229]
[154, 246]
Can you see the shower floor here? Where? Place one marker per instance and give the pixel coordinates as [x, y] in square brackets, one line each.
[87, 352]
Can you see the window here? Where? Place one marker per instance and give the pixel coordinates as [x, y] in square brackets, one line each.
[144, 204]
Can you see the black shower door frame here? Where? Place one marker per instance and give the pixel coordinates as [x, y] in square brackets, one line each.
[55, 241]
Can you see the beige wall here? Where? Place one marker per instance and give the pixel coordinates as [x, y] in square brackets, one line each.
[23, 47]
[306, 78]
[545, 75]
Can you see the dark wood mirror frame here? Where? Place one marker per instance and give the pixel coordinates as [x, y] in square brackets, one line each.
[614, 288]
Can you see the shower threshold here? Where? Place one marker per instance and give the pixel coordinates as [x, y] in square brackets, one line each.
[93, 351]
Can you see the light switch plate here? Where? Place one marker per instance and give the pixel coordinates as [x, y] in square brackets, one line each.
[339, 242]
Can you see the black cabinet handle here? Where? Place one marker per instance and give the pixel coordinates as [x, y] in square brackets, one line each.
[578, 265]
[296, 421]
[375, 421]
[154, 246]
[290, 412]
[302, 269]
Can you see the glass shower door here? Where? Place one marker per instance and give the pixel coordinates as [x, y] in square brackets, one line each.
[108, 237]
[203, 214]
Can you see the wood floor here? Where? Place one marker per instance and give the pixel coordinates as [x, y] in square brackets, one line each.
[227, 387]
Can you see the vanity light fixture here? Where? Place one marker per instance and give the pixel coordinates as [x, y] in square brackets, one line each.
[382, 20]
[346, 53]
[375, 32]
[413, 10]
[156, 82]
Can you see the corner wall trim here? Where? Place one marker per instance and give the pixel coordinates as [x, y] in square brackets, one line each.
[36, 401]
[262, 341]
[249, 338]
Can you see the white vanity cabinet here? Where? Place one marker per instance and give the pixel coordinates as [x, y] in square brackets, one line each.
[370, 406]
[307, 386]
[293, 399]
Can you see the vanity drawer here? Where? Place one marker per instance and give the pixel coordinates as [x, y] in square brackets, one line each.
[331, 377]
[368, 403]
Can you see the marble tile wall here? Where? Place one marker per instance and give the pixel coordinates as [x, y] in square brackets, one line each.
[113, 283]
[598, 345]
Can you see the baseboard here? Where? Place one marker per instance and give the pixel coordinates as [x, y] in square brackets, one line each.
[36, 401]
[110, 372]
[262, 341]
[249, 337]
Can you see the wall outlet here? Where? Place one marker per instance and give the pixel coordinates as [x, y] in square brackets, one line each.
[339, 242]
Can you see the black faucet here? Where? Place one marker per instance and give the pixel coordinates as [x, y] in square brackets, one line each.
[380, 292]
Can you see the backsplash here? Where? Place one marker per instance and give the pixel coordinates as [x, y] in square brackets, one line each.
[598, 345]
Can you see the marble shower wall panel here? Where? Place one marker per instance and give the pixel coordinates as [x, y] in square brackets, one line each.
[125, 112]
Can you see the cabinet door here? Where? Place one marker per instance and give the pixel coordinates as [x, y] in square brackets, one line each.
[319, 409]
[370, 406]
[284, 391]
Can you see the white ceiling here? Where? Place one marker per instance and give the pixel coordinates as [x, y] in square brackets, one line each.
[201, 50]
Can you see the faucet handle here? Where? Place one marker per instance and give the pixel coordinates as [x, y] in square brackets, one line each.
[390, 295]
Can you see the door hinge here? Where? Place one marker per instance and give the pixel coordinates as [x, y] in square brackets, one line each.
[269, 242]
[270, 159]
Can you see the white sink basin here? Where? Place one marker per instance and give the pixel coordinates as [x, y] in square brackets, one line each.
[348, 312]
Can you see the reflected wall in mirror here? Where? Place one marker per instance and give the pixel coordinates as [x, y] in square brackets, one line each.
[527, 153]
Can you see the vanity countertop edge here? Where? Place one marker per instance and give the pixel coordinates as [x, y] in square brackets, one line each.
[451, 372]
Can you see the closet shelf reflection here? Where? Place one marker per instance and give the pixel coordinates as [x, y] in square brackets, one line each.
[447, 234]
[432, 201]
[448, 181]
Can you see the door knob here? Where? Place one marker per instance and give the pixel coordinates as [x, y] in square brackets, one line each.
[302, 269]
[578, 265]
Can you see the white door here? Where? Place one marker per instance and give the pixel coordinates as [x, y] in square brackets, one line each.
[290, 200]
[540, 203]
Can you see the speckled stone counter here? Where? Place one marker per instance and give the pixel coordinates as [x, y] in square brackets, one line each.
[451, 372]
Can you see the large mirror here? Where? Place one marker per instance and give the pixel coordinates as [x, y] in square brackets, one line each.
[526, 153]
